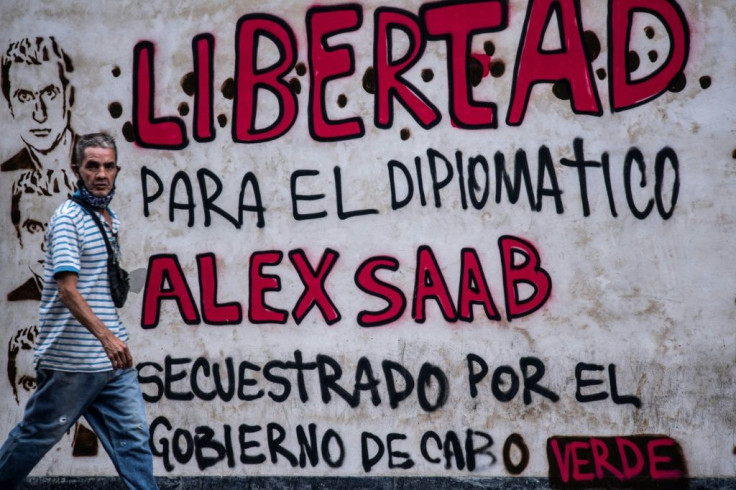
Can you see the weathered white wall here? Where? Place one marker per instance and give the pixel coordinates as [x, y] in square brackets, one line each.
[652, 296]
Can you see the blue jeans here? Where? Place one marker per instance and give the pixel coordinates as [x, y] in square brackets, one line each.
[111, 402]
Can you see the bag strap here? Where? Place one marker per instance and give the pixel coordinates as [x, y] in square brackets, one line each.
[98, 223]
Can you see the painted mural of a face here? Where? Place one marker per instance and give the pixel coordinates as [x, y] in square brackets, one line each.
[21, 374]
[35, 195]
[36, 87]
[22, 378]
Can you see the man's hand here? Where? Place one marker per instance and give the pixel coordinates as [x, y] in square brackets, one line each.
[116, 349]
[118, 352]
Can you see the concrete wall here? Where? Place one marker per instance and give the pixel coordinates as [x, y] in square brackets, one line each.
[488, 239]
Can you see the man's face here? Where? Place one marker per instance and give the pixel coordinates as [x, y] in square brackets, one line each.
[98, 170]
[39, 104]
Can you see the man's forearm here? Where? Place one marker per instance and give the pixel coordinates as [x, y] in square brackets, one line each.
[78, 306]
[116, 350]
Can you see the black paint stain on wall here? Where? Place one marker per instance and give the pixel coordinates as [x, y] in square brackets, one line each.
[188, 83]
[342, 100]
[427, 75]
[561, 89]
[601, 73]
[222, 120]
[489, 48]
[228, 89]
[116, 71]
[497, 69]
[301, 69]
[678, 83]
[649, 31]
[405, 134]
[128, 132]
[592, 45]
[183, 109]
[632, 61]
[475, 71]
[369, 80]
[296, 85]
[705, 82]
[115, 109]
[68, 63]
[653, 56]
[85, 442]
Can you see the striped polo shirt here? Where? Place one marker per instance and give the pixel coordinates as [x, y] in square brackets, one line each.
[74, 243]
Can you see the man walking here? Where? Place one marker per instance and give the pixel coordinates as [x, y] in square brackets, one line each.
[83, 365]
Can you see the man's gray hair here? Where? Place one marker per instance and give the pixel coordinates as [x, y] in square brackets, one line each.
[93, 140]
[35, 51]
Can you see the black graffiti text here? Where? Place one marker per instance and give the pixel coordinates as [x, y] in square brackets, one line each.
[181, 197]
[229, 444]
[477, 180]
[188, 379]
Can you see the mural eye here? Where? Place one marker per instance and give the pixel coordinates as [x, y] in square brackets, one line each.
[49, 92]
[25, 97]
[27, 383]
[33, 226]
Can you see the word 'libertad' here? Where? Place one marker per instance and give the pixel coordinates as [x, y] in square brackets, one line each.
[455, 23]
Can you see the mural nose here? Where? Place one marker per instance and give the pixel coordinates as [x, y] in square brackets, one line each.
[40, 113]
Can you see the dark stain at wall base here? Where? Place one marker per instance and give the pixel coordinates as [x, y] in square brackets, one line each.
[85, 442]
[346, 483]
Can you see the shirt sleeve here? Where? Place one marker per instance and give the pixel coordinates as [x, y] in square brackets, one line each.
[63, 241]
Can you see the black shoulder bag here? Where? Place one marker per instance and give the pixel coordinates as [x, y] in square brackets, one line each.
[116, 275]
